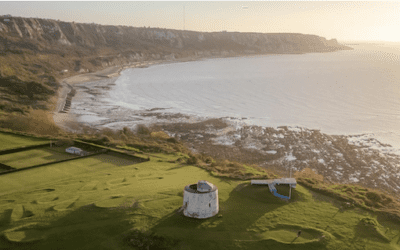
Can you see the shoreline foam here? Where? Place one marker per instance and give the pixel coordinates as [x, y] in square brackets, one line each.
[92, 93]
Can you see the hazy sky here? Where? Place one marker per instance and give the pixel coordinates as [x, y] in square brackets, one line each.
[378, 21]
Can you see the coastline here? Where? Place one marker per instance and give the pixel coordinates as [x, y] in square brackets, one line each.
[64, 120]
[353, 159]
[66, 86]
[114, 71]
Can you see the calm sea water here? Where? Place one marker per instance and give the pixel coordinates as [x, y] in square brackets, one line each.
[344, 92]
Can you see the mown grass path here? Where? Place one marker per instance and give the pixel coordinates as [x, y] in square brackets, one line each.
[93, 203]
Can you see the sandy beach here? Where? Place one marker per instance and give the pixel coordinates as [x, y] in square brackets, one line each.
[63, 119]
[68, 121]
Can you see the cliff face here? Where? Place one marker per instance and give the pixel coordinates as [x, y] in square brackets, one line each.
[40, 50]
[35, 34]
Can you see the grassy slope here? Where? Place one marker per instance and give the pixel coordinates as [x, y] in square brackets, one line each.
[92, 203]
[33, 157]
[8, 141]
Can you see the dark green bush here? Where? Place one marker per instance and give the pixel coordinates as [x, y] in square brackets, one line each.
[142, 130]
[192, 159]
[150, 240]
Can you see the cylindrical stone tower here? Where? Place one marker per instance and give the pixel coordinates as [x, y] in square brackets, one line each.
[200, 200]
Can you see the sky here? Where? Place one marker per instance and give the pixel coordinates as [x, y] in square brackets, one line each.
[345, 21]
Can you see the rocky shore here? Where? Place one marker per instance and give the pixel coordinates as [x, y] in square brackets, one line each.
[69, 86]
[358, 159]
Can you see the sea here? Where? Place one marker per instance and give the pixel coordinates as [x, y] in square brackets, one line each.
[348, 92]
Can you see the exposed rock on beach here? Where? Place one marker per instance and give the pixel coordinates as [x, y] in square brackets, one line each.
[358, 159]
[355, 159]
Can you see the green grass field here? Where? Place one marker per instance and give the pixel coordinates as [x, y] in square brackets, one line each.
[34, 157]
[8, 141]
[93, 203]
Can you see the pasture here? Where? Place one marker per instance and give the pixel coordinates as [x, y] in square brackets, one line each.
[33, 157]
[96, 202]
[9, 141]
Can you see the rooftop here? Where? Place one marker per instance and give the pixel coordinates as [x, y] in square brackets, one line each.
[201, 187]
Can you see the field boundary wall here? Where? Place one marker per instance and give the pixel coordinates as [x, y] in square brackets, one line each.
[100, 150]
[5, 167]
[23, 148]
[6, 131]
[50, 163]
[111, 150]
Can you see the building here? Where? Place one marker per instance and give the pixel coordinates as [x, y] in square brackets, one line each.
[76, 151]
[200, 200]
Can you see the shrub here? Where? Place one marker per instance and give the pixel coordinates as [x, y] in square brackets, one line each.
[106, 139]
[64, 142]
[142, 130]
[36, 122]
[123, 137]
[150, 240]
[172, 140]
[108, 132]
[192, 159]
[373, 196]
[127, 131]
[208, 160]
[308, 173]
[160, 135]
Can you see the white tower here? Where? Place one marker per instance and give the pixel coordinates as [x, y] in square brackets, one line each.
[200, 200]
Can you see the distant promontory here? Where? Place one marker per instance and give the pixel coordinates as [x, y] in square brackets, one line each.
[36, 53]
